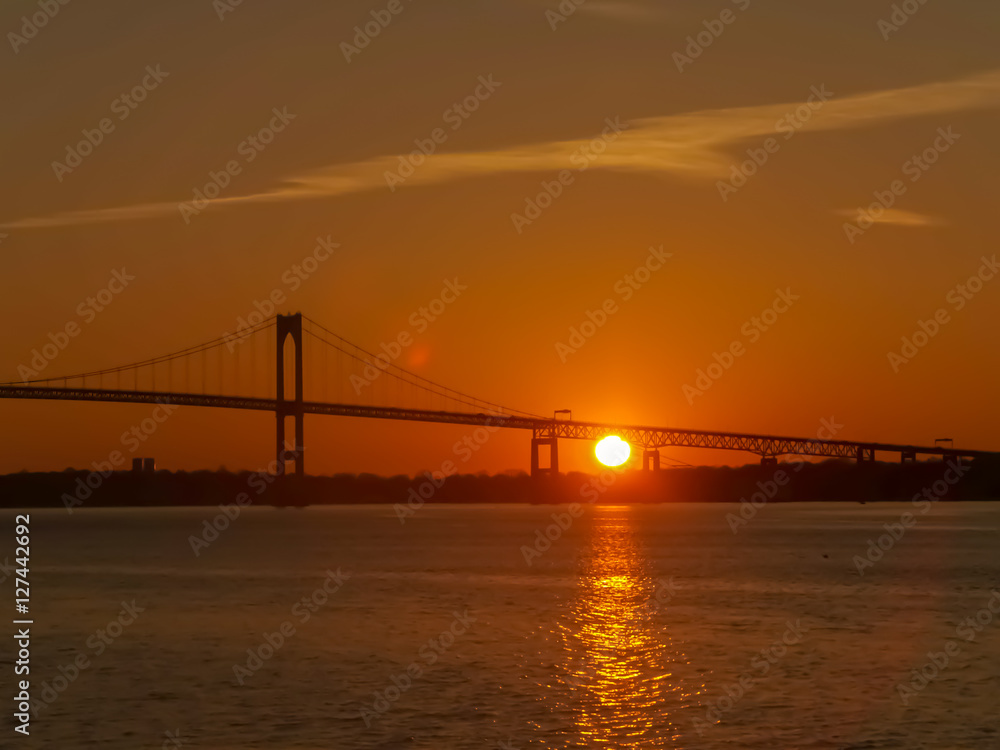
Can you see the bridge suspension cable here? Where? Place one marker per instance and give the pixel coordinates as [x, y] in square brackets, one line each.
[545, 431]
[407, 376]
[153, 361]
[312, 329]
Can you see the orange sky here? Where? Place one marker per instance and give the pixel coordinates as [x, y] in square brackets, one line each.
[551, 92]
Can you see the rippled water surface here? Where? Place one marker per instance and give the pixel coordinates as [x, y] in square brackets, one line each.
[645, 627]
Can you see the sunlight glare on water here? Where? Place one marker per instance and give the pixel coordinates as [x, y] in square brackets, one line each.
[635, 628]
[619, 669]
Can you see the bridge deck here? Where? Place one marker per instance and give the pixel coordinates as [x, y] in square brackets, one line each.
[648, 437]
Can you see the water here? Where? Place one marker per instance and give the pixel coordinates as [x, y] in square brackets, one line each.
[626, 632]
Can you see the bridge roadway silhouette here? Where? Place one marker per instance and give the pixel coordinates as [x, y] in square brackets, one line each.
[545, 431]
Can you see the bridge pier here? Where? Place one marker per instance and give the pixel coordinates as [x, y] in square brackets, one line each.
[289, 325]
[768, 460]
[908, 457]
[553, 467]
[864, 454]
[651, 460]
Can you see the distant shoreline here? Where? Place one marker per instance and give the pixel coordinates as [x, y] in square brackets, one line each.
[829, 481]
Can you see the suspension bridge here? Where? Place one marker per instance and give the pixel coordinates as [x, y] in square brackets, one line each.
[361, 384]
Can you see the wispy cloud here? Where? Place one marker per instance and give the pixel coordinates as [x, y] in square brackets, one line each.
[899, 218]
[696, 144]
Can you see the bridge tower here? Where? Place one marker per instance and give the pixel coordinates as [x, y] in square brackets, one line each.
[289, 325]
[544, 435]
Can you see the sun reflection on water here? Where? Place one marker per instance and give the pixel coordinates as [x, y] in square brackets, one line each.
[618, 670]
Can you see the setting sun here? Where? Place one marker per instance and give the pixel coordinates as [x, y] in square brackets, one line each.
[612, 451]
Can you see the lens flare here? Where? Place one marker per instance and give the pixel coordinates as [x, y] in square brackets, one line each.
[612, 451]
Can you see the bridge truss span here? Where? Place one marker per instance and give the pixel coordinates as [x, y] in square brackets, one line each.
[768, 447]
[369, 371]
